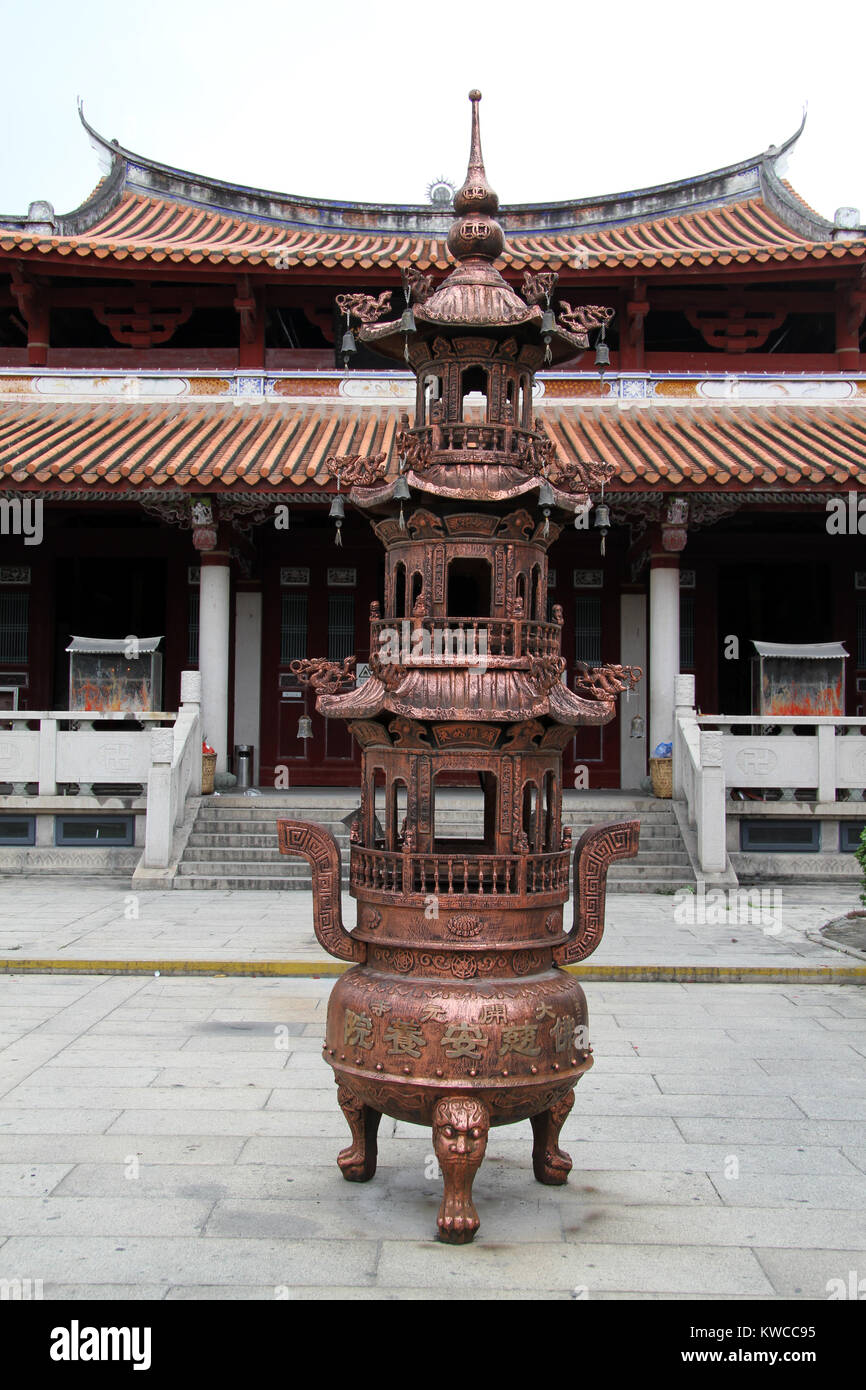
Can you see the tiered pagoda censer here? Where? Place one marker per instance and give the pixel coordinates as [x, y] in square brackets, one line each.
[457, 1013]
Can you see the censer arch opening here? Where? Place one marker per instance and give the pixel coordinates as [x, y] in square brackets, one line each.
[469, 588]
[473, 390]
[399, 608]
[465, 817]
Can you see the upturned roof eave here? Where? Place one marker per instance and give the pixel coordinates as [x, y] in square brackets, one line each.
[129, 172]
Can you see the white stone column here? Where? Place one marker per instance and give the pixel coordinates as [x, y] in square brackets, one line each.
[248, 669]
[632, 652]
[213, 651]
[664, 660]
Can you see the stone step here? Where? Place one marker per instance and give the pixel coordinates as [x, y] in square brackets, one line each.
[212, 883]
[234, 840]
[632, 869]
[282, 867]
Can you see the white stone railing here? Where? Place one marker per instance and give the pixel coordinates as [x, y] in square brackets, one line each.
[52, 754]
[769, 755]
[698, 778]
[175, 773]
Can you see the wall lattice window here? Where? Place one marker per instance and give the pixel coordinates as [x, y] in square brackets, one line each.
[192, 629]
[293, 628]
[587, 630]
[687, 632]
[14, 627]
[341, 626]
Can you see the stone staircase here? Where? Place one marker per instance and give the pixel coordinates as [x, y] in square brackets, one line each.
[233, 843]
[662, 863]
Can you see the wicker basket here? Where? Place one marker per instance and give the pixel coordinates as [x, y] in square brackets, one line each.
[208, 767]
[662, 774]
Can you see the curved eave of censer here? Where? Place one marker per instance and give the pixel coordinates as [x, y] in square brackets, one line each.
[363, 702]
[465, 694]
[477, 482]
[459, 305]
[567, 708]
[473, 482]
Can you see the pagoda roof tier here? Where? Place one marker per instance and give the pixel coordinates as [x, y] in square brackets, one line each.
[147, 213]
[284, 447]
[462, 694]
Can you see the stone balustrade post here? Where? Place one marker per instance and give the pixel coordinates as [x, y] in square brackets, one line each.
[48, 757]
[712, 852]
[190, 702]
[684, 712]
[159, 822]
[826, 762]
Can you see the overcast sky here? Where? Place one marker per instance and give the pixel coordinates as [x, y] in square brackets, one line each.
[366, 99]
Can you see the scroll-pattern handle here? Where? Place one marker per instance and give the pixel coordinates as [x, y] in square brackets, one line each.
[320, 849]
[594, 852]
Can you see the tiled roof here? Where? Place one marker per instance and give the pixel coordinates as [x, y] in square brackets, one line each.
[284, 447]
[143, 228]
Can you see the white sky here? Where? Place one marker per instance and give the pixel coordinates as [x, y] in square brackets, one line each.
[366, 99]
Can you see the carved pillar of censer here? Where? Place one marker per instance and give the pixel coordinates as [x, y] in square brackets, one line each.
[458, 1013]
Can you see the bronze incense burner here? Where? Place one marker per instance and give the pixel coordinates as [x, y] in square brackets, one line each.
[457, 1012]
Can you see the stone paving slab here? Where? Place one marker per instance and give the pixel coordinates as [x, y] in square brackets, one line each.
[145, 1157]
[69, 921]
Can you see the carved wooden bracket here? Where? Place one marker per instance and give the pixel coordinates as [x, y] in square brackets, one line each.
[736, 329]
[141, 324]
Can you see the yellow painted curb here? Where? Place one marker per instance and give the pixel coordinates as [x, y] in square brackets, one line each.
[624, 974]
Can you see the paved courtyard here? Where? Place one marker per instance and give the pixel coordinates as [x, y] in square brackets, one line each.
[76, 921]
[175, 1138]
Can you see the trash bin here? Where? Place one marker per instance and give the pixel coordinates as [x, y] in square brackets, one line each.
[244, 765]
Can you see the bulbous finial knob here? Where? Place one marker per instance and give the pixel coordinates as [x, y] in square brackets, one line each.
[476, 233]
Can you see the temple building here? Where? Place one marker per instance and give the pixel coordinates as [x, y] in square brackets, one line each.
[174, 380]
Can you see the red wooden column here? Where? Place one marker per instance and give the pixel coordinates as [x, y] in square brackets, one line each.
[34, 307]
[850, 311]
[251, 314]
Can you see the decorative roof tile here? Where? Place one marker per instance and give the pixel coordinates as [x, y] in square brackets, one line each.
[283, 447]
[142, 228]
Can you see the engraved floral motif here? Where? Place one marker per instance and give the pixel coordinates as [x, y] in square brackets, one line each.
[463, 925]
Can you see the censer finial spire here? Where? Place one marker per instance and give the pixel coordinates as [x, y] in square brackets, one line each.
[476, 233]
[476, 195]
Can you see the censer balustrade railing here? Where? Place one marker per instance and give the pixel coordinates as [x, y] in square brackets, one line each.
[452, 640]
[496, 875]
[461, 436]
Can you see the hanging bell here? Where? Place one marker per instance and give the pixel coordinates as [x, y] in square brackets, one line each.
[348, 347]
[637, 727]
[602, 522]
[305, 726]
[602, 352]
[548, 326]
[407, 322]
[337, 514]
[401, 495]
[546, 500]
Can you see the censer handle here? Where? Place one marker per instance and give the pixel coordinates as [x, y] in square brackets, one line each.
[596, 849]
[318, 846]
